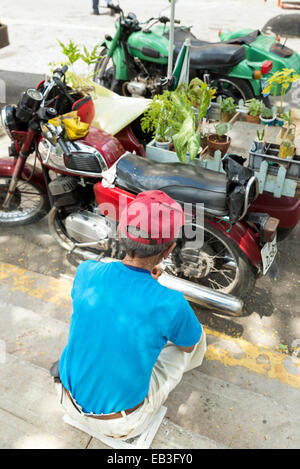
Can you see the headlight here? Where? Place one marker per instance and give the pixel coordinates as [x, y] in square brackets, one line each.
[8, 119]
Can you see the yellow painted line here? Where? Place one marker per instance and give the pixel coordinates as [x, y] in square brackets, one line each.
[257, 359]
[35, 285]
[261, 360]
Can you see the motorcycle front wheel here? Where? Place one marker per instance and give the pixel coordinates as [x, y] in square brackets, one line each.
[219, 264]
[108, 80]
[29, 203]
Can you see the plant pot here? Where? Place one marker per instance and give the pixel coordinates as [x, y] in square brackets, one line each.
[252, 119]
[267, 121]
[218, 142]
[226, 116]
[163, 145]
[279, 121]
[4, 41]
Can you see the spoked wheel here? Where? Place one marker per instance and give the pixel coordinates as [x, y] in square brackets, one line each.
[235, 88]
[219, 264]
[108, 80]
[28, 205]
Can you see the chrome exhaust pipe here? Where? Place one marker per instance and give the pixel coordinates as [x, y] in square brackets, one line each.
[206, 297]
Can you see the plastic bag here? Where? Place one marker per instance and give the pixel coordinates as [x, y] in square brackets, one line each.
[74, 128]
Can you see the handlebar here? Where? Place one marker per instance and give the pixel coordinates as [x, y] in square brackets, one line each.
[162, 19]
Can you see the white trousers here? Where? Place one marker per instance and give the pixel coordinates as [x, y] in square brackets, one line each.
[166, 374]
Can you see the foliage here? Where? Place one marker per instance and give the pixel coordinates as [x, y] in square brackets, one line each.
[228, 105]
[159, 116]
[254, 107]
[287, 116]
[179, 113]
[266, 113]
[222, 129]
[281, 79]
[260, 136]
[197, 95]
[73, 54]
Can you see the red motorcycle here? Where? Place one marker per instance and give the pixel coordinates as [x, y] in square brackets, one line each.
[77, 180]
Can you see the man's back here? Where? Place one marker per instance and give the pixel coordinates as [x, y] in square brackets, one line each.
[121, 321]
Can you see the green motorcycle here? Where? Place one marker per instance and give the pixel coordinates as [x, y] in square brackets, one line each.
[135, 61]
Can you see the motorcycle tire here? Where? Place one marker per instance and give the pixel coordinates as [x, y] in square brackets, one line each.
[233, 266]
[29, 203]
[235, 88]
[109, 81]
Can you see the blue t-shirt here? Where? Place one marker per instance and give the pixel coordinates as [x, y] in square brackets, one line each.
[122, 318]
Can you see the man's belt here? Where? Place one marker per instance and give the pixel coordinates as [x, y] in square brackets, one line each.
[116, 415]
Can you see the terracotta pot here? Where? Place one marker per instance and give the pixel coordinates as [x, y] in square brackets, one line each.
[216, 142]
[226, 116]
[252, 120]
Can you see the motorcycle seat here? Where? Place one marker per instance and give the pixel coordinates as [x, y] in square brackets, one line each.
[205, 55]
[185, 183]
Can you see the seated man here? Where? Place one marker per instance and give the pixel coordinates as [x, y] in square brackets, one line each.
[130, 338]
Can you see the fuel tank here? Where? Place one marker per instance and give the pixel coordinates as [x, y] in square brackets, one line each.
[150, 46]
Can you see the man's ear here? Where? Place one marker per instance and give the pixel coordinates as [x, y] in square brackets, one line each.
[168, 251]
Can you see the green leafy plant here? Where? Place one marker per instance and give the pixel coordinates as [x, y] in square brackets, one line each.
[260, 136]
[197, 95]
[71, 51]
[73, 54]
[228, 105]
[281, 81]
[223, 129]
[266, 113]
[287, 116]
[158, 118]
[254, 107]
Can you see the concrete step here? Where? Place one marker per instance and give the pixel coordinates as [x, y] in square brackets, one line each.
[31, 417]
[202, 404]
[236, 398]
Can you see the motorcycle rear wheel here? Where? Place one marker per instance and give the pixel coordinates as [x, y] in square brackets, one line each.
[29, 203]
[235, 88]
[227, 269]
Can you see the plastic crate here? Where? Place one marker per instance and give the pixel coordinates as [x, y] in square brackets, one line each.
[269, 153]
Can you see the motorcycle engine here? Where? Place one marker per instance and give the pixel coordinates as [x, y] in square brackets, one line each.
[83, 223]
[88, 227]
[148, 83]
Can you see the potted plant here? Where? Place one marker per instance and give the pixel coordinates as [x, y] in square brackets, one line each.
[281, 81]
[267, 116]
[288, 128]
[158, 119]
[197, 95]
[186, 127]
[260, 142]
[74, 54]
[228, 109]
[286, 149]
[254, 110]
[219, 140]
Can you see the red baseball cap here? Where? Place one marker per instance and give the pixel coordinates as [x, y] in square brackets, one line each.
[159, 218]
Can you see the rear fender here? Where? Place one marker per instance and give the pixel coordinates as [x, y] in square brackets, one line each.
[244, 71]
[7, 167]
[242, 235]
